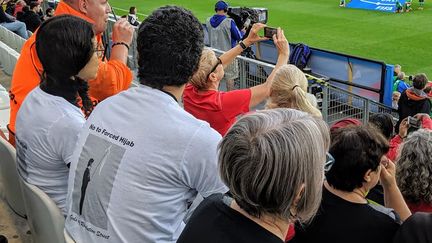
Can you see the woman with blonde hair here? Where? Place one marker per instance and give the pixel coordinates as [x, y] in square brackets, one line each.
[202, 97]
[289, 90]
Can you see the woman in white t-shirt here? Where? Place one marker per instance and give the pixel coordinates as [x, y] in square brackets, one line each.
[52, 114]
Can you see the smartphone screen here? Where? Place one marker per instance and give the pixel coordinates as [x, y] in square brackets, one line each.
[269, 32]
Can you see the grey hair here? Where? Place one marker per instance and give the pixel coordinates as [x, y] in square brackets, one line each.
[267, 157]
[414, 167]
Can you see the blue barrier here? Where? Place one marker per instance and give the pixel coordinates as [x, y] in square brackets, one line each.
[378, 5]
[367, 78]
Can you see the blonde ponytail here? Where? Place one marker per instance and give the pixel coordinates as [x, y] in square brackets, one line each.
[288, 90]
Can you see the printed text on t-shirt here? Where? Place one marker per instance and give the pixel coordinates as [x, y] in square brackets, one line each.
[103, 131]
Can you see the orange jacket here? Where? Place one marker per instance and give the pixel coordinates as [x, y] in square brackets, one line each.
[113, 76]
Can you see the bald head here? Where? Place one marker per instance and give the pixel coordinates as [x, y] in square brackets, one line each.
[97, 10]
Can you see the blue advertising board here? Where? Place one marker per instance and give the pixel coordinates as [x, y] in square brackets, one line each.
[378, 5]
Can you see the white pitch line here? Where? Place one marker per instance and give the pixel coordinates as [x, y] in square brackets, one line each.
[127, 11]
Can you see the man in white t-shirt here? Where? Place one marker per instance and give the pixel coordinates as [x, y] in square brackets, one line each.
[141, 159]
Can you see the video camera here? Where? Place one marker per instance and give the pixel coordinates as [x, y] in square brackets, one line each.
[246, 17]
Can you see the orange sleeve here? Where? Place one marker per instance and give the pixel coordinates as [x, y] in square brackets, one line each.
[113, 77]
[24, 79]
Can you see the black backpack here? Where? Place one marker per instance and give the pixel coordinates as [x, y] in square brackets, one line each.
[300, 55]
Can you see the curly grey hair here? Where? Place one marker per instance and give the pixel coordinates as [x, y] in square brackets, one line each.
[414, 167]
[267, 157]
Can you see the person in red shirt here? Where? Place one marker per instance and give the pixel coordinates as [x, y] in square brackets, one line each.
[220, 109]
[414, 170]
[397, 140]
[113, 75]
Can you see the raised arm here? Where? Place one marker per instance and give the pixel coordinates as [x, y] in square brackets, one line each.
[261, 92]
[392, 196]
[114, 76]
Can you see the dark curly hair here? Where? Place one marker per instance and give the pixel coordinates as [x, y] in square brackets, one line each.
[170, 43]
[356, 149]
[64, 45]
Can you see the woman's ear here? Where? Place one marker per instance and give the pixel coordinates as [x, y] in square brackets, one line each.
[299, 194]
[368, 176]
[213, 77]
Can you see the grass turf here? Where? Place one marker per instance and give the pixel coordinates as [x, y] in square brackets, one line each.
[393, 38]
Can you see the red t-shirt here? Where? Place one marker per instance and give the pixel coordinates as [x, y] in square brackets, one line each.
[219, 109]
[420, 207]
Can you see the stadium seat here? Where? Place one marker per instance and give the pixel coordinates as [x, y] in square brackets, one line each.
[68, 238]
[9, 178]
[8, 58]
[44, 217]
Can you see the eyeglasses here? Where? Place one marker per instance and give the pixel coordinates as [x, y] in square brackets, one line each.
[329, 162]
[219, 62]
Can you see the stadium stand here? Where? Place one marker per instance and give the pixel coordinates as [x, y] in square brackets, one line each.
[341, 96]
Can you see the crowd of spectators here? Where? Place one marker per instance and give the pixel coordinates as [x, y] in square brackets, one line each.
[23, 16]
[134, 166]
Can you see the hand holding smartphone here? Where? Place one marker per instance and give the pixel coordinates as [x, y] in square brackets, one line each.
[269, 32]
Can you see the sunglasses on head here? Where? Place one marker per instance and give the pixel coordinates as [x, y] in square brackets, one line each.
[219, 62]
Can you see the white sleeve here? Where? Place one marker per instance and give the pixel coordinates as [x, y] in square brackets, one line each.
[63, 136]
[200, 170]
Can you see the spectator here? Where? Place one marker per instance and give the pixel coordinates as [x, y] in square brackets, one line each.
[49, 13]
[399, 85]
[289, 90]
[359, 164]
[396, 141]
[11, 24]
[30, 17]
[140, 182]
[19, 5]
[50, 117]
[384, 123]
[397, 70]
[224, 34]
[416, 229]
[414, 100]
[273, 179]
[347, 122]
[395, 99]
[10, 6]
[414, 170]
[202, 97]
[132, 18]
[113, 75]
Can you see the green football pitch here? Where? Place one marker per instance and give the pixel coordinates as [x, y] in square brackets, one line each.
[403, 38]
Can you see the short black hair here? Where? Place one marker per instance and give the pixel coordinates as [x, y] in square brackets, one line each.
[420, 80]
[132, 9]
[356, 149]
[170, 42]
[384, 123]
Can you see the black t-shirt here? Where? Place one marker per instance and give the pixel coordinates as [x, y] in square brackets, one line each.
[215, 222]
[341, 221]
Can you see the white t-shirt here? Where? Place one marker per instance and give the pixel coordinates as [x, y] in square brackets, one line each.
[140, 161]
[46, 133]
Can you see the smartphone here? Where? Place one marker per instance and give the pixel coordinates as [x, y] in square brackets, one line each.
[414, 124]
[269, 32]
